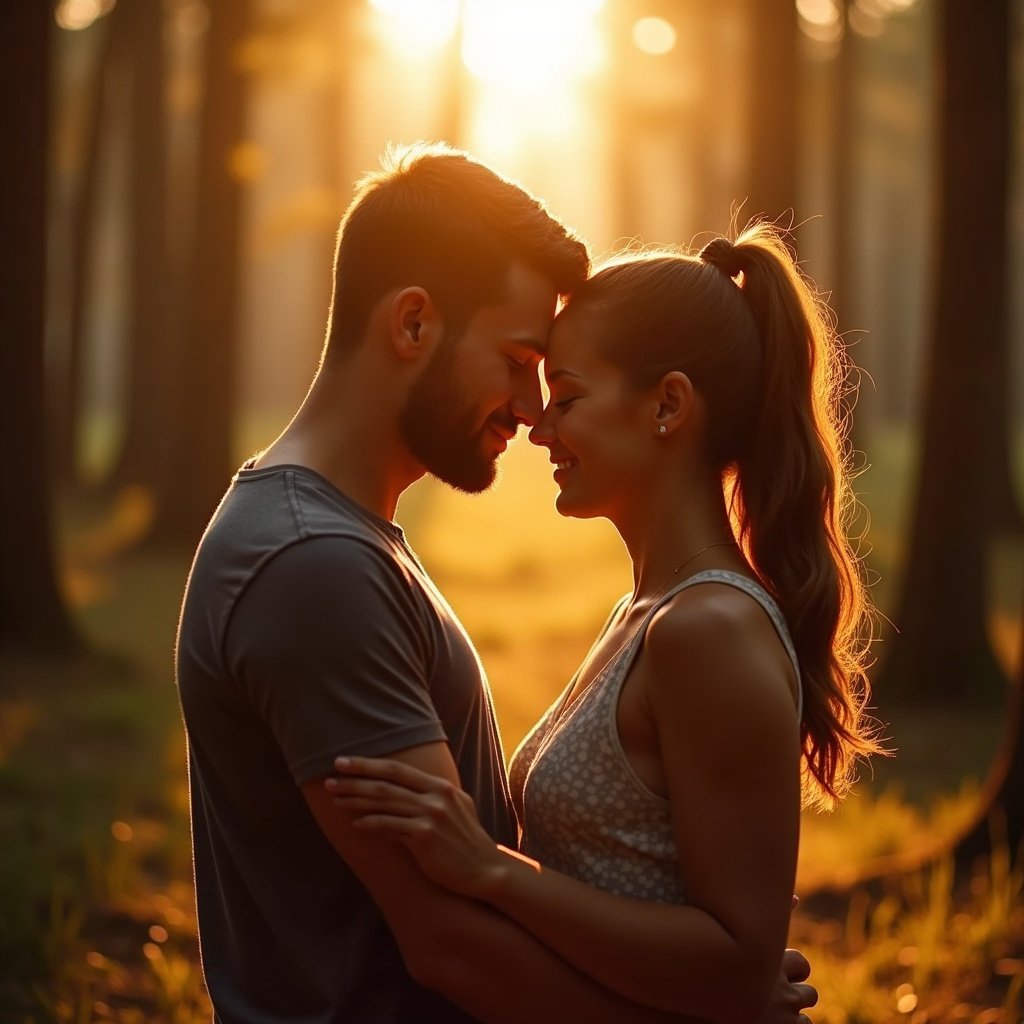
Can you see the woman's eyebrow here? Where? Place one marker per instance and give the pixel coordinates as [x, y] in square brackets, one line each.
[555, 374]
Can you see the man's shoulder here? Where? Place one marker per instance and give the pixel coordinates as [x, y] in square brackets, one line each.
[309, 532]
[268, 511]
[291, 502]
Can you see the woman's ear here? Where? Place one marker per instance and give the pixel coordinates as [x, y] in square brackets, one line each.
[414, 323]
[673, 402]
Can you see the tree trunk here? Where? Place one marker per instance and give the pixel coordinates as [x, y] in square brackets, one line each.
[33, 618]
[199, 464]
[150, 350]
[772, 143]
[844, 147]
[1000, 821]
[65, 380]
[942, 652]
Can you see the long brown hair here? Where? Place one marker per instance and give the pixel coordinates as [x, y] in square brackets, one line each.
[751, 333]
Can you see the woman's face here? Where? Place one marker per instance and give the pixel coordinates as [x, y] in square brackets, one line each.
[598, 427]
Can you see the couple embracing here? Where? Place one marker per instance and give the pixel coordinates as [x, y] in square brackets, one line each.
[361, 856]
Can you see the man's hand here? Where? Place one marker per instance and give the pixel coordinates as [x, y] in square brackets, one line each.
[791, 995]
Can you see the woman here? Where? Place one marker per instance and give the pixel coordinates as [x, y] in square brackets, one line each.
[695, 404]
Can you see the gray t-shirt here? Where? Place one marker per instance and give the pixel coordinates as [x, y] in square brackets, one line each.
[309, 629]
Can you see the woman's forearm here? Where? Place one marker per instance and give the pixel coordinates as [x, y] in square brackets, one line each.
[675, 958]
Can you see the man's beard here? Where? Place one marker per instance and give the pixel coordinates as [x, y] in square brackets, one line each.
[438, 425]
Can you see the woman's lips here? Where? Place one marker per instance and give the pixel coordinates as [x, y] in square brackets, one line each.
[562, 468]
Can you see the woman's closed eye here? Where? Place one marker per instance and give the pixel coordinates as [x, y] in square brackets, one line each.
[564, 403]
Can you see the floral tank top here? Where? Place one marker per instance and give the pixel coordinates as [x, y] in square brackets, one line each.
[582, 808]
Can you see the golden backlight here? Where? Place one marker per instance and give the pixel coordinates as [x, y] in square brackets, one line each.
[419, 27]
[526, 48]
[531, 47]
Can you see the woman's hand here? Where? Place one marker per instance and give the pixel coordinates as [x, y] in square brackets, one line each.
[434, 819]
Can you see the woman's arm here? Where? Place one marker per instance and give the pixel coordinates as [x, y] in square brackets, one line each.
[730, 751]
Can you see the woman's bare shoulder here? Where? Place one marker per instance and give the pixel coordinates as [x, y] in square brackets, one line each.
[720, 642]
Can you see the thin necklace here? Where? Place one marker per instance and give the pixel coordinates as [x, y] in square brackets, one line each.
[664, 588]
[682, 565]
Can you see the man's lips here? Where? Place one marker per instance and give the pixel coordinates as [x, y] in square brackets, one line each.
[502, 437]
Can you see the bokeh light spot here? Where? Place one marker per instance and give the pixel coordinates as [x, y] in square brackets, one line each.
[907, 1003]
[818, 12]
[654, 35]
[76, 15]
[122, 831]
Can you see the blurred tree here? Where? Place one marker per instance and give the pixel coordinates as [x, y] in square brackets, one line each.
[942, 652]
[65, 376]
[152, 368]
[844, 128]
[199, 461]
[33, 618]
[1001, 817]
[770, 187]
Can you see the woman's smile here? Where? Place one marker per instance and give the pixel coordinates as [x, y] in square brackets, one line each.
[562, 468]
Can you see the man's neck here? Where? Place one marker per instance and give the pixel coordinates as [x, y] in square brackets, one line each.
[358, 451]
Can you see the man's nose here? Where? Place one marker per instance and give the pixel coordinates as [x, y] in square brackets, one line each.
[528, 403]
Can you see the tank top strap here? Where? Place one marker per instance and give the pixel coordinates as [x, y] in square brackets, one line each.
[740, 582]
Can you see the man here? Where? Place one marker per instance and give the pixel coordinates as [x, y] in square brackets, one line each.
[309, 629]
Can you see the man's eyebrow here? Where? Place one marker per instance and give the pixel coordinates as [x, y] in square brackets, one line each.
[534, 344]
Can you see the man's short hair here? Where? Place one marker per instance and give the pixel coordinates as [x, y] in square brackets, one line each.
[433, 216]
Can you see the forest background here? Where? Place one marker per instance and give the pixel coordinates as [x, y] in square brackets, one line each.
[171, 203]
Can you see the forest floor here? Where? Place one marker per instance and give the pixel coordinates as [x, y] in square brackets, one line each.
[97, 920]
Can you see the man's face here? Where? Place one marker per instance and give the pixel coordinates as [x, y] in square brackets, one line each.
[478, 387]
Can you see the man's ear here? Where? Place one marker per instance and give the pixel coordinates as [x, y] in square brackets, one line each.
[673, 402]
[415, 324]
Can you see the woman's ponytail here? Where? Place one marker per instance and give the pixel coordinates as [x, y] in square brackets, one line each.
[790, 499]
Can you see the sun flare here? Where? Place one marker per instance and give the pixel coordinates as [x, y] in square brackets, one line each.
[527, 49]
[532, 47]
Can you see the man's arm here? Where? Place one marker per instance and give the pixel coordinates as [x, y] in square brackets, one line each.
[324, 643]
[472, 955]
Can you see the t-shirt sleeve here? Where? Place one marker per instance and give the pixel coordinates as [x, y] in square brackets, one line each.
[332, 653]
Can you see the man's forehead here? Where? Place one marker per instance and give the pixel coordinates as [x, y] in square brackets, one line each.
[532, 342]
[525, 313]
[530, 293]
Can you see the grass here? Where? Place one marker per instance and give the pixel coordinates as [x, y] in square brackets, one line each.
[925, 952]
[96, 914]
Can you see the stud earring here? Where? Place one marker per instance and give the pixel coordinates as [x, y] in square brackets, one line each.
[662, 429]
